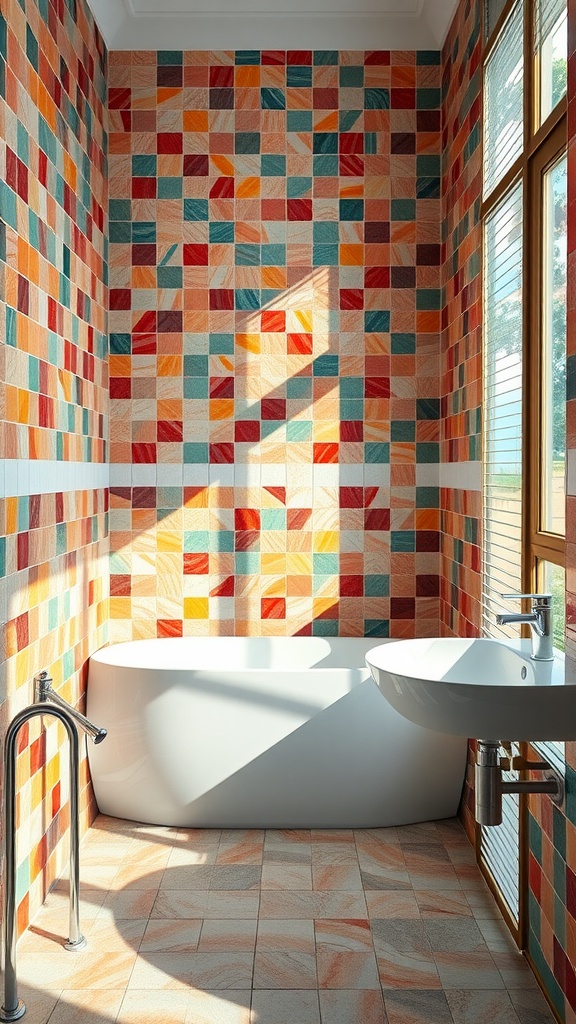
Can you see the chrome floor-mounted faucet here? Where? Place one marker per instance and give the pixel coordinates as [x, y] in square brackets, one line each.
[539, 619]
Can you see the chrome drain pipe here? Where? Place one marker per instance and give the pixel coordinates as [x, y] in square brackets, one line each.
[489, 786]
[12, 1007]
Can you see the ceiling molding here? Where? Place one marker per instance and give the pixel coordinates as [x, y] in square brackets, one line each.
[264, 24]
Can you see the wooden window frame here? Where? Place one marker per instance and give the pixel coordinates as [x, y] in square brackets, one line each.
[543, 145]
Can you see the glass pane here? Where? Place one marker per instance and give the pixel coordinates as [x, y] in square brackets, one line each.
[552, 47]
[504, 101]
[554, 582]
[554, 350]
[502, 406]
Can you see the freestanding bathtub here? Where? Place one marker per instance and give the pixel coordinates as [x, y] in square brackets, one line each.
[233, 732]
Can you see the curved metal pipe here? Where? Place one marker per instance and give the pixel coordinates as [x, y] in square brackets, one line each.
[12, 1007]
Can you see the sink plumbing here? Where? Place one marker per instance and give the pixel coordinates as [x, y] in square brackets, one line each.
[490, 786]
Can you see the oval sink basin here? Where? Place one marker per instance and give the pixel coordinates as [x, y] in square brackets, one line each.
[479, 688]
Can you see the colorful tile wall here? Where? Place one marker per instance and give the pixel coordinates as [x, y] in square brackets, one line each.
[54, 383]
[275, 314]
[461, 357]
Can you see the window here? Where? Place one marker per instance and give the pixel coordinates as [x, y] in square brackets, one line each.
[525, 258]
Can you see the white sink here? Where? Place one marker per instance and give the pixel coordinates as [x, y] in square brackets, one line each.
[479, 688]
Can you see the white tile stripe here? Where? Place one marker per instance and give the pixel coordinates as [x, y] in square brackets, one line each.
[37, 476]
[44, 476]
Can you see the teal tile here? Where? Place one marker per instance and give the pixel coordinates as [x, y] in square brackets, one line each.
[272, 165]
[3, 38]
[169, 277]
[247, 563]
[33, 374]
[196, 540]
[427, 497]
[299, 121]
[402, 430]
[325, 563]
[221, 231]
[244, 57]
[247, 298]
[352, 77]
[428, 298]
[376, 321]
[351, 409]
[559, 876]
[326, 366]
[427, 99]
[298, 187]
[427, 188]
[377, 585]
[195, 452]
[299, 76]
[170, 57]
[299, 430]
[169, 188]
[402, 540]
[195, 388]
[571, 377]
[560, 921]
[326, 57]
[325, 142]
[144, 166]
[221, 344]
[325, 255]
[403, 209]
[195, 209]
[428, 164]
[325, 627]
[247, 254]
[325, 231]
[273, 519]
[8, 205]
[376, 99]
[143, 231]
[428, 57]
[348, 118]
[376, 452]
[195, 366]
[352, 387]
[247, 142]
[351, 209]
[32, 48]
[559, 831]
[427, 451]
[272, 99]
[370, 143]
[268, 296]
[299, 387]
[221, 540]
[11, 327]
[273, 255]
[535, 838]
[376, 628]
[325, 166]
[427, 408]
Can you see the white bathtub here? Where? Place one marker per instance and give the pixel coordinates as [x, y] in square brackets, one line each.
[261, 733]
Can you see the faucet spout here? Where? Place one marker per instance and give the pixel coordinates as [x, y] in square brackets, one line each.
[45, 692]
[540, 621]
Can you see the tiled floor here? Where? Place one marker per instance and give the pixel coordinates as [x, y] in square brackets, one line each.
[279, 927]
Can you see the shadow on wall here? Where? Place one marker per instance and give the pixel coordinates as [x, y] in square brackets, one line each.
[286, 512]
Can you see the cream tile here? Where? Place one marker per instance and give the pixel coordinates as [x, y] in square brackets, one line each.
[417, 1006]
[336, 876]
[277, 1007]
[442, 903]
[209, 904]
[295, 935]
[229, 1007]
[186, 876]
[477, 1007]
[228, 936]
[476, 970]
[101, 970]
[284, 970]
[152, 1007]
[171, 936]
[347, 970]
[128, 904]
[312, 904]
[340, 935]
[39, 1002]
[207, 970]
[283, 875]
[341, 1006]
[392, 903]
[107, 935]
[87, 1006]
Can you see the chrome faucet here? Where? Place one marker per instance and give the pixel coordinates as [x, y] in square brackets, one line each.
[45, 692]
[539, 619]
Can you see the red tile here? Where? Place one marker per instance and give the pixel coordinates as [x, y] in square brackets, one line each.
[221, 298]
[377, 519]
[222, 452]
[246, 519]
[195, 564]
[169, 627]
[195, 254]
[298, 518]
[273, 608]
[273, 409]
[325, 452]
[351, 586]
[196, 164]
[247, 430]
[351, 298]
[299, 209]
[169, 142]
[273, 321]
[223, 188]
[224, 589]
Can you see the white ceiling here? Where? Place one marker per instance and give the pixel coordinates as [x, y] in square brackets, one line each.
[273, 24]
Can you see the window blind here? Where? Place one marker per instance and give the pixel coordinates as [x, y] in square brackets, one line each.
[504, 101]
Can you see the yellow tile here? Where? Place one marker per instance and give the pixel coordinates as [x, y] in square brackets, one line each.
[195, 607]
[326, 540]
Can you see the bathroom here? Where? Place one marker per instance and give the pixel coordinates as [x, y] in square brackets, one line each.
[247, 321]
